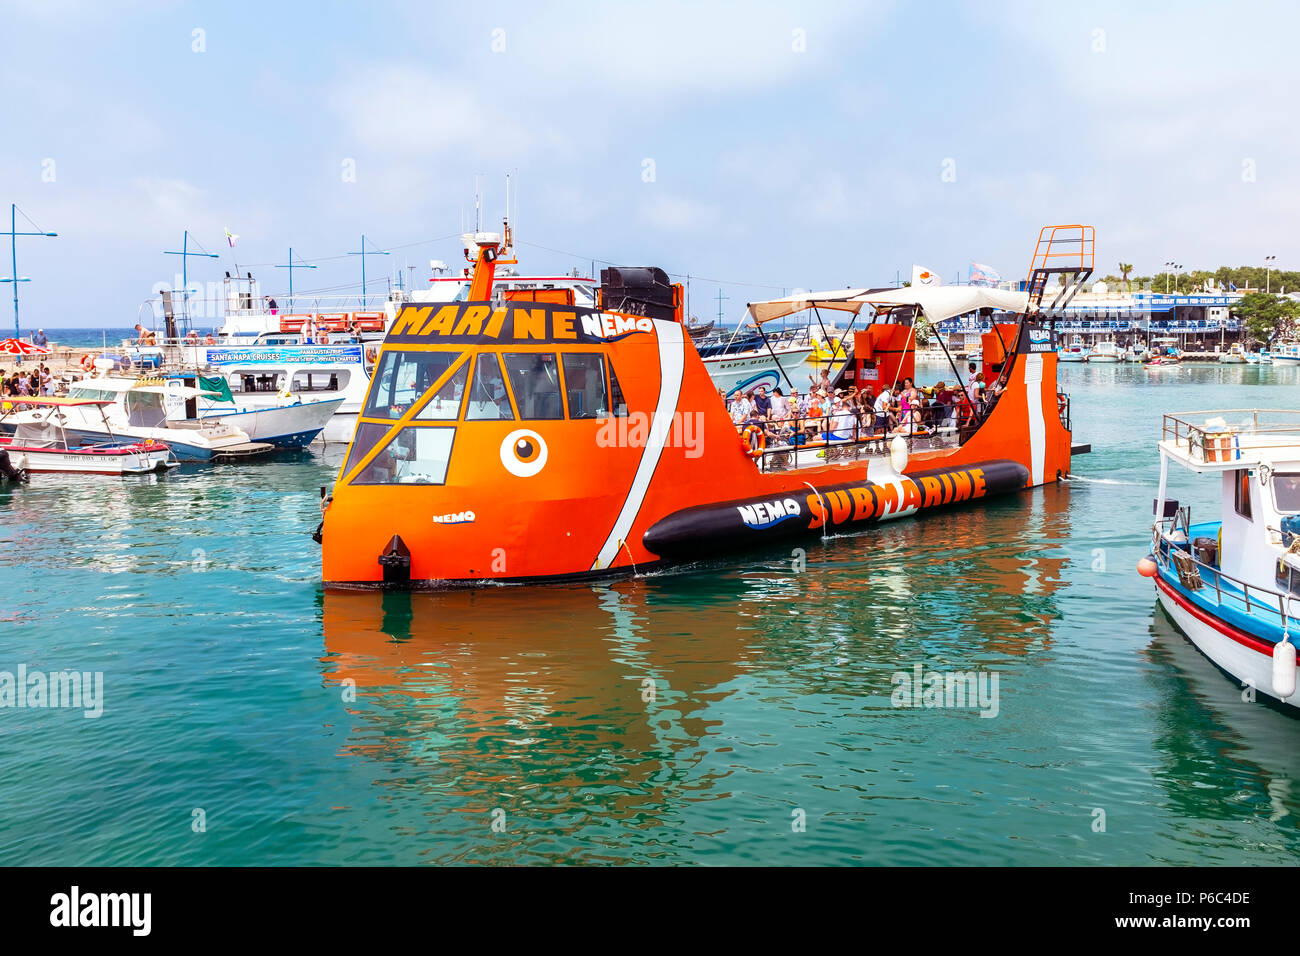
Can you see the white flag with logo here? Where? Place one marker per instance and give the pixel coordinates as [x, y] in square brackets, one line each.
[924, 276]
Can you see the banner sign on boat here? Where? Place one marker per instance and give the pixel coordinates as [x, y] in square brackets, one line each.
[841, 507]
[291, 355]
[477, 322]
[1040, 339]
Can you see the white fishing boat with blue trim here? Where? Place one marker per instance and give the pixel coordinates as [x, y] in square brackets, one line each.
[280, 371]
[1233, 585]
[108, 408]
[1285, 353]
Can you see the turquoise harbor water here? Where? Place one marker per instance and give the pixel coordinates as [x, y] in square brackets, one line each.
[307, 728]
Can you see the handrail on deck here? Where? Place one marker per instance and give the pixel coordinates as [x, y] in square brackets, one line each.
[1164, 526]
[1210, 441]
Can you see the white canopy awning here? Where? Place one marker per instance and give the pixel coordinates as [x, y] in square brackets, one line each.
[937, 302]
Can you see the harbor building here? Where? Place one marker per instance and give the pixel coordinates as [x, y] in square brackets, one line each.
[1201, 321]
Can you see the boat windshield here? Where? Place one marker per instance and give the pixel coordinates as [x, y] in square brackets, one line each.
[145, 409]
[401, 378]
[1286, 492]
[416, 455]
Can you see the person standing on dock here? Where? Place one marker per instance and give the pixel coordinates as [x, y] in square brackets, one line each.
[40, 339]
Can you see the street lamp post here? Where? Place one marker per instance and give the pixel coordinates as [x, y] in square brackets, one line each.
[1268, 268]
[14, 277]
[363, 254]
[291, 265]
[1168, 266]
[186, 255]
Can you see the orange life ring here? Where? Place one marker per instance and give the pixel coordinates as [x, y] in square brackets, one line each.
[86, 362]
[1061, 400]
[747, 442]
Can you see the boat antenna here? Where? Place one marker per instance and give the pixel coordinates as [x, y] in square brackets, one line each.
[505, 238]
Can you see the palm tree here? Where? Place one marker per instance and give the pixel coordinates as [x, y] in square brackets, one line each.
[1124, 269]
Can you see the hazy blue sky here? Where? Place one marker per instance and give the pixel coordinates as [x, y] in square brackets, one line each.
[793, 144]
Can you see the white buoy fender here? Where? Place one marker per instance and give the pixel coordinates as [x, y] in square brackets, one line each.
[898, 454]
[1283, 669]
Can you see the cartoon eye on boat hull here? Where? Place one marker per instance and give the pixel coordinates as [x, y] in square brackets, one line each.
[524, 440]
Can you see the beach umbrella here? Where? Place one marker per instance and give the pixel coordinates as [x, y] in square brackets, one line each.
[19, 347]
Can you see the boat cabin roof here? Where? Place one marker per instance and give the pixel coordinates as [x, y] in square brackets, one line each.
[1231, 439]
[61, 400]
[136, 385]
[937, 302]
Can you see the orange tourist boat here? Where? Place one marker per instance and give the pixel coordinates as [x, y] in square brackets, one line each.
[519, 437]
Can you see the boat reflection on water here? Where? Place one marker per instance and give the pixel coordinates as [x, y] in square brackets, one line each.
[556, 705]
[1221, 749]
[682, 704]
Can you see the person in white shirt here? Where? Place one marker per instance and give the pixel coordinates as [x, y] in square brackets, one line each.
[740, 408]
[883, 401]
[842, 421]
[780, 405]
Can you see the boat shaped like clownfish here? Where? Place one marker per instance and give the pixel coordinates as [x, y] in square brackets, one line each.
[528, 439]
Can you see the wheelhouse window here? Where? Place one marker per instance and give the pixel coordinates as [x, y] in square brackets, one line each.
[416, 455]
[584, 384]
[367, 435]
[445, 403]
[321, 381]
[1286, 493]
[617, 402]
[1242, 494]
[488, 398]
[535, 379]
[401, 378]
[270, 380]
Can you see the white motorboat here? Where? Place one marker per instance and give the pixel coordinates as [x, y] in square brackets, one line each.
[40, 443]
[136, 410]
[1233, 585]
[289, 422]
[1105, 353]
[1076, 351]
[1235, 355]
[744, 363]
[1287, 353]
[1164, 353]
